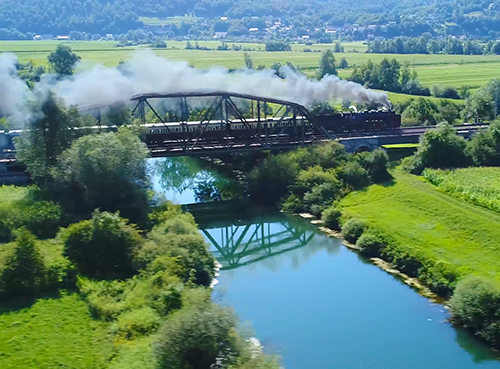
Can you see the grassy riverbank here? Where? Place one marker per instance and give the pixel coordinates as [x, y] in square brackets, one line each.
[427, 226]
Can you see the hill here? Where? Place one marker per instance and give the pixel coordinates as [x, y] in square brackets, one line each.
[478, 18]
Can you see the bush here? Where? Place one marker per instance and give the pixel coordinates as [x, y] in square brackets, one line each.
[441, 148]
[354, 175]
[330, 217]
[103, 246]
[377, 166]
[268, 182]
[197, 338]
[179, 238]
[136, 323]
[293, 204]
[370, 244]
[42, 218]
[24, 272]
[476, 305]
[352, 230]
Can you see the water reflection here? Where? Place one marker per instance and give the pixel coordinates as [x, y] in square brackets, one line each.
[241, 241]
[188, 180]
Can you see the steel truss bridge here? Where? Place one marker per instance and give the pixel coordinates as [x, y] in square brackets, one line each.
[291, 126]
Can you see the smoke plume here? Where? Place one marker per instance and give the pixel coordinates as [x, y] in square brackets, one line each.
[13, 91]
[146, 72]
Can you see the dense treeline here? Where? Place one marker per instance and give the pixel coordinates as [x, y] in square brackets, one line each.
[386, 18]
[427, 45]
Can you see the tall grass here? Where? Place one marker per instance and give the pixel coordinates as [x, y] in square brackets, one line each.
[480, 186]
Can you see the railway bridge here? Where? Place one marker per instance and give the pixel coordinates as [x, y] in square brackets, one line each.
[204, 123]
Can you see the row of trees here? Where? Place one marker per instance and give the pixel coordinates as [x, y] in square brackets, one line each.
[425, 44]
[389, 75]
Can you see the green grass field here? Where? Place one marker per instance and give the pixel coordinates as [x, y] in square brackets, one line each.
[427, 222]
[53, 333]
[480, 186]
[445, 70]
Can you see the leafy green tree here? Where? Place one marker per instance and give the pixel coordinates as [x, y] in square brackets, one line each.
[475, 304]
[118, 114]
[63, 60]
[24, 271]
[198, 338]
[343, 64]
[442, 148]
[268, 181]
[106, 171]
[248, 60]
[103, 246]
[327, 64]
[47, 137]
[420, 112]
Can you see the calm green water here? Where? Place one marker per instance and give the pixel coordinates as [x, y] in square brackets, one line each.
[318, 305]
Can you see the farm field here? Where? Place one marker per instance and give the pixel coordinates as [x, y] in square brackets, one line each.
[426, 222]
[53, 333]
[480, 186]
[445, 70]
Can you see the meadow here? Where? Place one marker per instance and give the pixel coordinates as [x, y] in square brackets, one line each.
[480, 186]
[430, 225]
[444, 70]
[56, 332]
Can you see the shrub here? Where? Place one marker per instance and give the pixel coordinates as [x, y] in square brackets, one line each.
[370, 244]
[354, 175]
[268, 182]
[412, 164]
[102, 246]
[179, 238]
[293, 204]
[24, 272]
[330, 217]
[476, 305]
[441, 148]
[42, 218]
[135, 323]
[197, 338]
[352, 230]
[377, 166]
[321, 196]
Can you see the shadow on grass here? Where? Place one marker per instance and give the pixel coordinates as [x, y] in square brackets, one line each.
[19, 303]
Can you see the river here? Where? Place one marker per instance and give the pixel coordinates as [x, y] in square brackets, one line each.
[310, 300]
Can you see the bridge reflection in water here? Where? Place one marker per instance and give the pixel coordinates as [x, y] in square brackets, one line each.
[242, 239]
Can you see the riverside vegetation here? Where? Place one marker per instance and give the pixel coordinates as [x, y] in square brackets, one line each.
[89, 248]
[448, 243]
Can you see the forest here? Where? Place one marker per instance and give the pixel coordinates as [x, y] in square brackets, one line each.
[387, 19]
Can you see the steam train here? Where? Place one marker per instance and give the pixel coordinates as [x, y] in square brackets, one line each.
[335, 124]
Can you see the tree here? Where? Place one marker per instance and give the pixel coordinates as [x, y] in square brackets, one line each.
[327, 64]
[197, 338]
[118, 115]
[421, 112]
[102, 246]
[442, 148]
[248, 60]
[106, 171]
[63, 60]
[343, 64]
[47, 138]
[24, 272]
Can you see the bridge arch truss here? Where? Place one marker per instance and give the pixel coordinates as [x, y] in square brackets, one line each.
[224, 122]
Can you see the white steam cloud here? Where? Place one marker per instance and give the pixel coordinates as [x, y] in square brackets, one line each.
[146, 72]
[13, 91]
